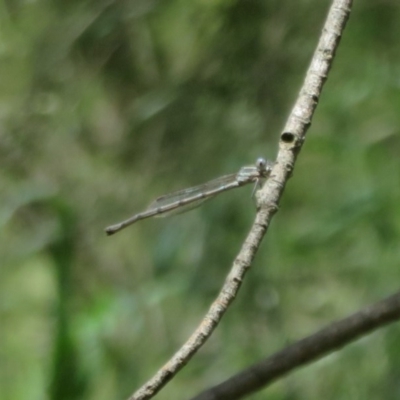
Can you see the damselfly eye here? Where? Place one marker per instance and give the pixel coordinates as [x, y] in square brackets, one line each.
[261, 164]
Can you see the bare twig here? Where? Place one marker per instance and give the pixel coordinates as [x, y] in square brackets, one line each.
[299, 120]
[268, 198]
[306, 350]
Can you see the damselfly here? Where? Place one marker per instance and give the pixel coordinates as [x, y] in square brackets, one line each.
[187, 199]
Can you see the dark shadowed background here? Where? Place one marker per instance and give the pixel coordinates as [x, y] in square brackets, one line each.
[105, 105]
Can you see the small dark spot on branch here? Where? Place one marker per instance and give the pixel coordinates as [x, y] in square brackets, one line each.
[287, 137]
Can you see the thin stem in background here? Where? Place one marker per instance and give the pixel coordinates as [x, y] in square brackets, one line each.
[311, 348]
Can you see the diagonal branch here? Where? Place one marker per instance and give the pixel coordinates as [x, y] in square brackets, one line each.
[311, 348]
[268, 198]
[299, 120]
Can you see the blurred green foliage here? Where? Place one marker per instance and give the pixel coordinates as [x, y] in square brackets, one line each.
[105, 105]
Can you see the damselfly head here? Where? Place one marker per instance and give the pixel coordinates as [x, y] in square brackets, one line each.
[261, 163]
[263, 166]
